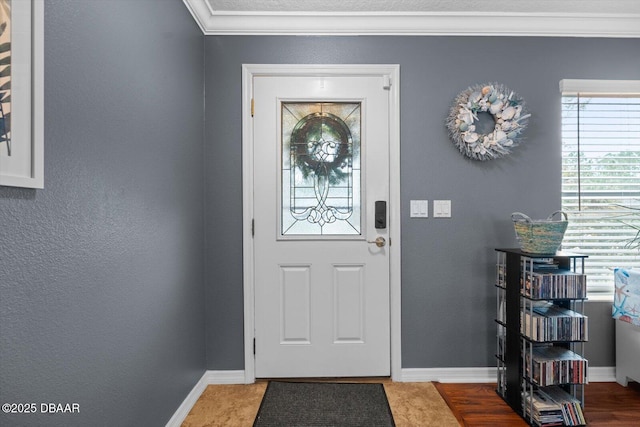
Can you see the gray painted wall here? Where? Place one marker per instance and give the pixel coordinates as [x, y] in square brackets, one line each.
[101, 273]
[448, 300]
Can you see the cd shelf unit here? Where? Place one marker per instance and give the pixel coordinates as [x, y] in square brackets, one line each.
[541, 331]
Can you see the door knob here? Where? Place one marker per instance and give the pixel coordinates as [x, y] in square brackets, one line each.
[380, 241]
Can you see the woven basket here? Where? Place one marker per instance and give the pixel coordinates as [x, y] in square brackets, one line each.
[542, 236]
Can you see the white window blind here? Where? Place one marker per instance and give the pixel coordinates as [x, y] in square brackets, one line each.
[601, 175]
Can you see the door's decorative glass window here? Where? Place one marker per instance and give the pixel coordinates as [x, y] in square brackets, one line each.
[321, 169]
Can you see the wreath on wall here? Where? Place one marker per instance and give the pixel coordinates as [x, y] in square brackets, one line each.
[486, 121]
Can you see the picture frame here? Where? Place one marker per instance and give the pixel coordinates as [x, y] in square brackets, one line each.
[22, 141]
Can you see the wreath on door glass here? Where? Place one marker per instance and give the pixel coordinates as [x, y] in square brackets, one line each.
[486, 121]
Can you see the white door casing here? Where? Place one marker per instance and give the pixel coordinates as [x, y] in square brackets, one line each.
[293, 337]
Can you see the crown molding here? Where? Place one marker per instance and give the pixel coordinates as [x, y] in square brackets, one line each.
[214, 22]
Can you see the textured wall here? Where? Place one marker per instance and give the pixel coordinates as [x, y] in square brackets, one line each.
[448, 298]
[101, 273]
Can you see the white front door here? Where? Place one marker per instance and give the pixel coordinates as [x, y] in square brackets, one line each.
[320, 164]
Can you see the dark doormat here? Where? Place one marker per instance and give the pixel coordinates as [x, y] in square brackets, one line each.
[300, 404]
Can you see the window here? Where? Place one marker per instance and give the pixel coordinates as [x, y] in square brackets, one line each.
[321, 169]
[601, 175]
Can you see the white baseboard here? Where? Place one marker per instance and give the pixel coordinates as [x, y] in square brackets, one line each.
[208, 378]
[602, 374]
[191, 399]
[450, 375]
[224, 377]
[486, 375]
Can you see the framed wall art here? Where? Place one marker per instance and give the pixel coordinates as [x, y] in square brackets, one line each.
[21, 93]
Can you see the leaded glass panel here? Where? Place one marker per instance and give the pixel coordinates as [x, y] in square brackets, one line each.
[321, 169]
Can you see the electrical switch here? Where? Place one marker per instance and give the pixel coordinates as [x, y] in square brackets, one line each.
[442, 208]
[419, 209]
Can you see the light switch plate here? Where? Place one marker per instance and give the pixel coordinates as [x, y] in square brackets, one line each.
[419, 209]
[442, 208]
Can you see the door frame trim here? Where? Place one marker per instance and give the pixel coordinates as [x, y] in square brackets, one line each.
[390, 71]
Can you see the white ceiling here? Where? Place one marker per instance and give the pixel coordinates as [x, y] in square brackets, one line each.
[570, 18]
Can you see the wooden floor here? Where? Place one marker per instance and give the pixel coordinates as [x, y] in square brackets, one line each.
[478, 405]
